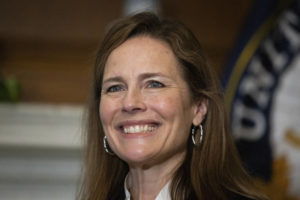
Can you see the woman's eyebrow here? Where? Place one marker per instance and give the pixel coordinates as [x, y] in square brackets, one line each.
[141, 77]
[151, 74]
[113, 79]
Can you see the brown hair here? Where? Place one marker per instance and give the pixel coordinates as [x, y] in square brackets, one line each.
[211, 171]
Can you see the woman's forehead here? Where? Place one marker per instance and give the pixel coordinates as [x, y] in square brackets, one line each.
[144, 54]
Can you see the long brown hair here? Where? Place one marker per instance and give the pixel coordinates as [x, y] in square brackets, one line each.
[211, 171]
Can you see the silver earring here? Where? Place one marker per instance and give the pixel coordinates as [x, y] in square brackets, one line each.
[106, 147]
[194, 129]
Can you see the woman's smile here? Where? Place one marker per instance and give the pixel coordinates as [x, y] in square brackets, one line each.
[138, 128]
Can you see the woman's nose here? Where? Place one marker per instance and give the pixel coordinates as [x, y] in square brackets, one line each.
[133, 101]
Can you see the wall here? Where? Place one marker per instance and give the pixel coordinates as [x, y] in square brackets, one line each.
[49, 46]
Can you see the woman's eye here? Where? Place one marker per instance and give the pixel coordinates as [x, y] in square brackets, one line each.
[155, 84]
[114, 88]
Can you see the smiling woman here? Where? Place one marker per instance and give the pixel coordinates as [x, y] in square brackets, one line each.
[157, 107]
[137, 105]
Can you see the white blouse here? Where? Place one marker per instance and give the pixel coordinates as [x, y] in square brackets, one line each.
[164, 194]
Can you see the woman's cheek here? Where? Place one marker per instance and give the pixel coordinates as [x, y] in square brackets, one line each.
[165, 105]
[106, 110]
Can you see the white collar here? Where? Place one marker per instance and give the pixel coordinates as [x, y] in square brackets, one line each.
[164, 194]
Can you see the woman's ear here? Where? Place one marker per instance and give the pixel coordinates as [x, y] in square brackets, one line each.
[200, 111]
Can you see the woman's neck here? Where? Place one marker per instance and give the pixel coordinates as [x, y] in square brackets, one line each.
[146, 182]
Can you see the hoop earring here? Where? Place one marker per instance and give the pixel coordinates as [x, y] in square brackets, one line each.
[194, 129]
[106, 147]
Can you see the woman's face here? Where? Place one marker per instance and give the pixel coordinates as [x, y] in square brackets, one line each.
[145, 107]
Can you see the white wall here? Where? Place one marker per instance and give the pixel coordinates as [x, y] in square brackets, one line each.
[40, 151]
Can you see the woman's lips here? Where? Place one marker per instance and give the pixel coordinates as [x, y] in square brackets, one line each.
[145, 128]
[138, 127]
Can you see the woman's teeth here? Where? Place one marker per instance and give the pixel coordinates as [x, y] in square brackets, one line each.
[139, 129]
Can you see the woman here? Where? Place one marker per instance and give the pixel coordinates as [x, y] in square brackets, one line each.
[157, 126]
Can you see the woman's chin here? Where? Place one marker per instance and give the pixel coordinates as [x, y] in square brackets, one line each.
[136, 156]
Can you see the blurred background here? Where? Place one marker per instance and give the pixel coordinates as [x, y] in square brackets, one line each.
[47, 51]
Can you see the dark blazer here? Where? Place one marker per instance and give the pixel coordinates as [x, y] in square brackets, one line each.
[239, 197]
